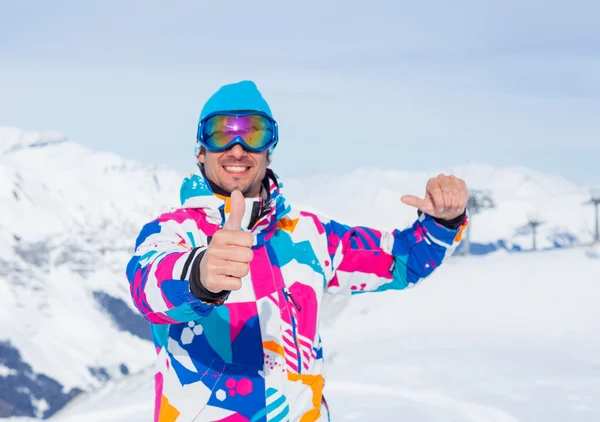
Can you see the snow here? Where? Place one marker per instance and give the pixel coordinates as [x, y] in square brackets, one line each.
[501, 337]
[40, 407]
[14, 139]
[20, 419]
[5, 371]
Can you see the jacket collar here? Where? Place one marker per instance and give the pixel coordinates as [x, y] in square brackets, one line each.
[262, 213]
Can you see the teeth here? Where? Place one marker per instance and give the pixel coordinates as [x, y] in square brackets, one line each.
[235, 169]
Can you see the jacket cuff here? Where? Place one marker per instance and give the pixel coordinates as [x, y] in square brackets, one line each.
[453, 224]
[201, 292]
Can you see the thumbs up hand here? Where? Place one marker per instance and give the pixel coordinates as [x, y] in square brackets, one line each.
[237, 210]
[228, 256]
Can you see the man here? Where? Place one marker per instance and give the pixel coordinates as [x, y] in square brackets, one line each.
[232, 281]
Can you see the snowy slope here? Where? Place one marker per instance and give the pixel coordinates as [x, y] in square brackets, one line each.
[69, 217]
[500, 338]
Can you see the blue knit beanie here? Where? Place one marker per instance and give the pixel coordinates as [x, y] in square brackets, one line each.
[242, 95]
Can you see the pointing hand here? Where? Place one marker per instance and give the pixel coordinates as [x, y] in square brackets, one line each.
[445, 197]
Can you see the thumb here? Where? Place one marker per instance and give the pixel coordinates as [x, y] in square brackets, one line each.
[237, 209]
[414, 201]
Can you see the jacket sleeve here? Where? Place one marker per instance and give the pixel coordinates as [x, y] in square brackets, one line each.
[368, 260]
[167, 252]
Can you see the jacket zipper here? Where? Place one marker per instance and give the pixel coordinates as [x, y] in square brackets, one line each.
[289, 295]
[290, 298]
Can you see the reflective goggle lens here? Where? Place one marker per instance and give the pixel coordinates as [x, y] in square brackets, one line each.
[256, 131]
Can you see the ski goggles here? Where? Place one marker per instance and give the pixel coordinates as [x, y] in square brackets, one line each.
[255, 131]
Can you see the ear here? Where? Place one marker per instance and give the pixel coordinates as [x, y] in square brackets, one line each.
[201, 155]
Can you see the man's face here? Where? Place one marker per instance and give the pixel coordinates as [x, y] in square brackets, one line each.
[236, 168]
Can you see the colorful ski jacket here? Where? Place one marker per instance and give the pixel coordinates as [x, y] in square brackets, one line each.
[257, 356]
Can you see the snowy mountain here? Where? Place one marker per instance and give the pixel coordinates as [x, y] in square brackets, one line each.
[69, 217]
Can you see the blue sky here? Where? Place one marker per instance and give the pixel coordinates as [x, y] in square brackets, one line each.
[388, 84]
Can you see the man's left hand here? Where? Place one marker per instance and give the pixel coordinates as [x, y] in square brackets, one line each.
[445, 197]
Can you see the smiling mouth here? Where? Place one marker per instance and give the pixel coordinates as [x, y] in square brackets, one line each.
[236, 169]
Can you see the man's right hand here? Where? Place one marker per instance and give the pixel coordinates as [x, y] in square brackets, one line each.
[228, 256]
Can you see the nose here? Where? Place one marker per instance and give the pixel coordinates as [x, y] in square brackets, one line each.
[237, 152]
